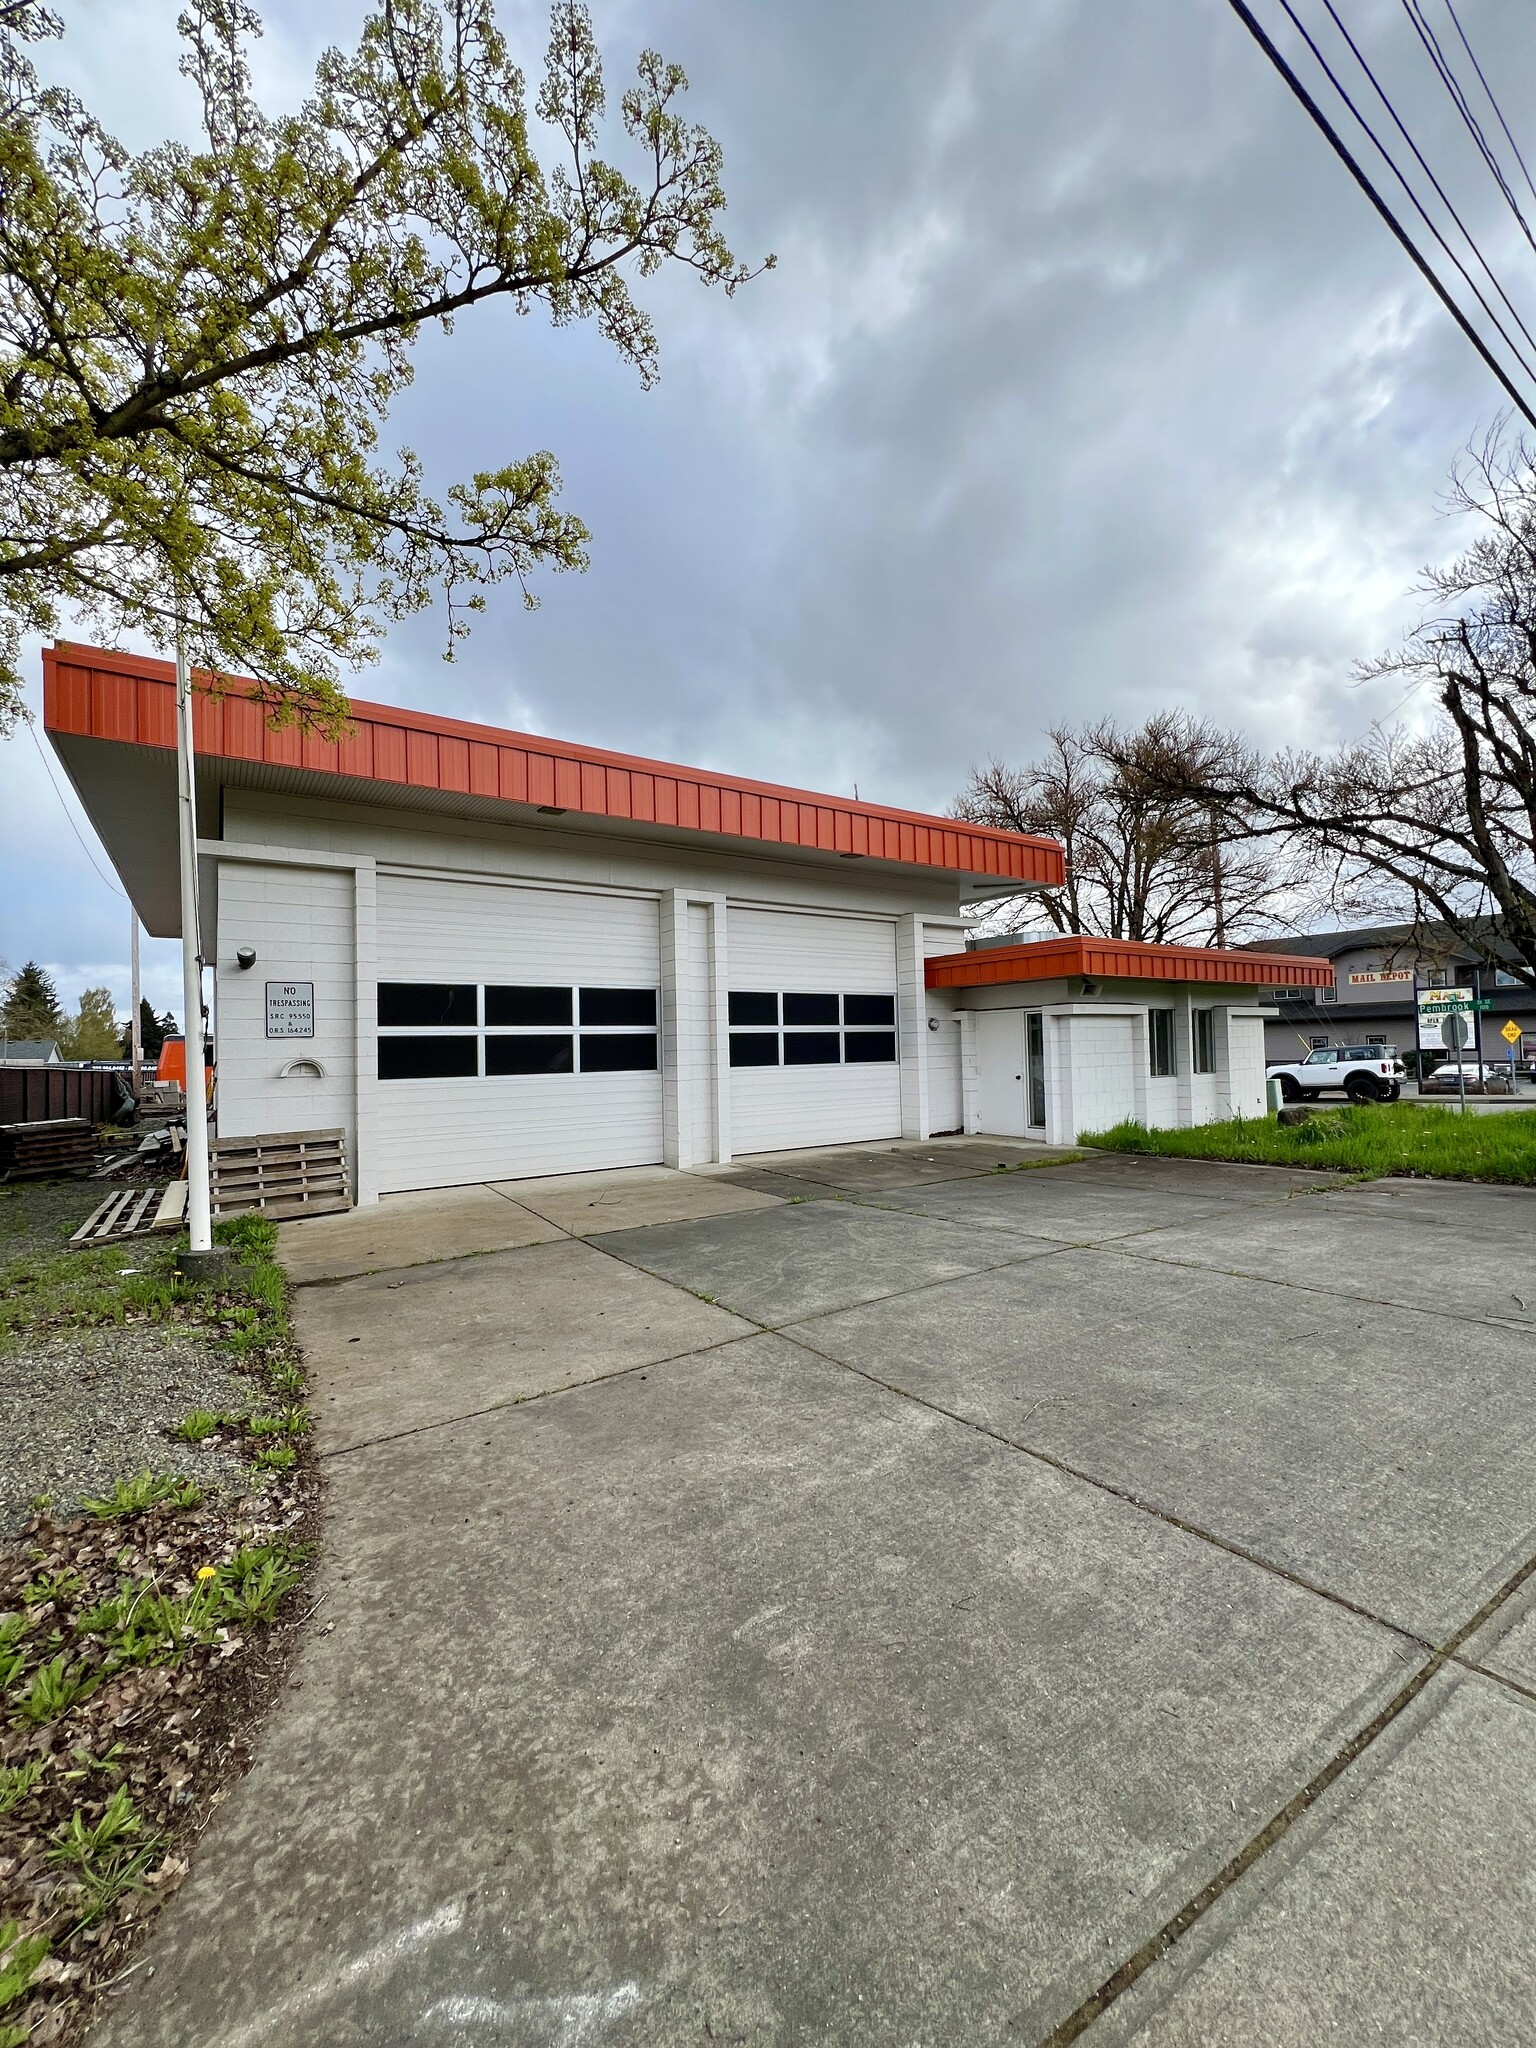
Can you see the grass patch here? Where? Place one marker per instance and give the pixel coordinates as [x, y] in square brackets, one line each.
[124, 1693]
[1389, 1138]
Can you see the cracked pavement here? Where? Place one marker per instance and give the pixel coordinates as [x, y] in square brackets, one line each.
[876, 1597]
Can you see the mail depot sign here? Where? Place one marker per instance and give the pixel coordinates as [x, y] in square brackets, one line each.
[290, 1009]
[1385, 974]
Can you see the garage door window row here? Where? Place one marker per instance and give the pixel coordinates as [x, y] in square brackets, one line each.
[433, 1030]
[772, 1028]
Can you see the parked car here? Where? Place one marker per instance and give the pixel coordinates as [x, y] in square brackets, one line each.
[1366, 1073]
[1485, 1077]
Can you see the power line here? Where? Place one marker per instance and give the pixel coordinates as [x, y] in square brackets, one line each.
[1463, 106]
[1413, 198]
[1444, 196]
[1488, 89]
[47, 770]
[1245, 14]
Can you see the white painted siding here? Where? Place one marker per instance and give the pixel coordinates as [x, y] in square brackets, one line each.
[444, 1133]
[1245, 1058]
[300, 922]
[779, 1108]
[946, 1101]
[696, 1038]
[1100, 1052]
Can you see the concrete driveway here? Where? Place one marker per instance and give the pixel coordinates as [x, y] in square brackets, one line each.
[917, 1595]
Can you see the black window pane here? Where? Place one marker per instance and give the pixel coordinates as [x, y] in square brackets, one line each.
[531, 1052]
[812, 1048]
[527, 1006]
[754, 1048]
[752, 1006]
[868, 1048]
[619, 1052]
[427, 1059]
[421, 1003]
[618, 1006]
[869, 1009]
[810, 1009]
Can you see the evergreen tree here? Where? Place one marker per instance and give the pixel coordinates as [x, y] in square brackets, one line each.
[151, 1033]
[92, 1033]
[32, 1007]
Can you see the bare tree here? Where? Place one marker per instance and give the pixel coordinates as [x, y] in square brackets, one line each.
[1145, 860]
[1431, 824]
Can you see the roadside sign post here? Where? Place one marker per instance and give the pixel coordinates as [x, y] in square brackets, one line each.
[1453, 1033]
[1511, 1035]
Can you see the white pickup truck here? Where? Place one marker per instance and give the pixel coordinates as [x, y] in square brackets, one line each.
[1365, 1073]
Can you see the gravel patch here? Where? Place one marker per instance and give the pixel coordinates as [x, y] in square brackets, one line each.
[39, 1217]
[82, 1409]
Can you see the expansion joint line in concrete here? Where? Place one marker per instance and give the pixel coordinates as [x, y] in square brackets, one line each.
[1258, 1846]
[601, 1379]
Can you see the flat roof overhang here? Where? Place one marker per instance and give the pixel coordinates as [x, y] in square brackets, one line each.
[1123, 960]
[111, 719]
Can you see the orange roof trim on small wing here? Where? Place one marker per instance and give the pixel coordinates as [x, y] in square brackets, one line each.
[1123, 960]
[91, 693]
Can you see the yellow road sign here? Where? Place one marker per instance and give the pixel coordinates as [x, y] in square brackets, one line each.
[1511, 1031]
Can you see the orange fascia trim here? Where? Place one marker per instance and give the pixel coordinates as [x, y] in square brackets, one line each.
[1123, 960]
[129, 698]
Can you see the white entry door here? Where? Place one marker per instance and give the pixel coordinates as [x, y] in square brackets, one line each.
[1000, 1059]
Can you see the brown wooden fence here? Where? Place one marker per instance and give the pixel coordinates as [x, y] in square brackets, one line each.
[31, 1095]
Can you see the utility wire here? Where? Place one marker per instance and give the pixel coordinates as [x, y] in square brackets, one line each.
[1470, 121]
[1521, 404]
[31, 728]
[1413, 198]
[1471, 240]
[1488, 89]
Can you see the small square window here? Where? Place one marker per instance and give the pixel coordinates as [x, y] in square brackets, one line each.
[869, 1048]
[813, 1048]
[754, 1048]
[753, 1006]
[529, 1052]
[619, 1052]
[618, 1006]
[428, 1059]
[816, 1009]
[869, 1010]
[421, 1004]
[528, 1006]
[1160, 1043]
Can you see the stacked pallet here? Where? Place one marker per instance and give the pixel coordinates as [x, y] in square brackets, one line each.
[65, 1144]
[280, 1174]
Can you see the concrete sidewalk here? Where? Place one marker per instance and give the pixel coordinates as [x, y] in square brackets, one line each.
[899, 1596]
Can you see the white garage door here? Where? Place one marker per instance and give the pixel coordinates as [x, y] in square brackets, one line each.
[812, 1008]
[518, 1032]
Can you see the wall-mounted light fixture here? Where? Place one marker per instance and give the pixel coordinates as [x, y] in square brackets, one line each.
[933, 1023]
[245, 956]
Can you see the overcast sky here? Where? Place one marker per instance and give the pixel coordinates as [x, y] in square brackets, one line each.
[1087, 383]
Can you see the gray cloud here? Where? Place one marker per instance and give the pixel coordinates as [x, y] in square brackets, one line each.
[1087, 383]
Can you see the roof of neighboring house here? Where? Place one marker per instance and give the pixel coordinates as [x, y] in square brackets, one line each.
[30, 1049]
[106, 712]
[1429, 937]
[1123, 960]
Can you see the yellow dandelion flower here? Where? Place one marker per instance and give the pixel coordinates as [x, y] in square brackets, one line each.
[207, 1571]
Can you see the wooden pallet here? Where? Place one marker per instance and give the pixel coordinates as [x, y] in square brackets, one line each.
[129, 1213]
[61, 1145]
[280, 1174]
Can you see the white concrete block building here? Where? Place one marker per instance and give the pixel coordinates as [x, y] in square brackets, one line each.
[486, 956]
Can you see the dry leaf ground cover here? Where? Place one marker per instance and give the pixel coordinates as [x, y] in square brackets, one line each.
[156, 1507]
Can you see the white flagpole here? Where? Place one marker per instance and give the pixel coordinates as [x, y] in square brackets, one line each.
[199, 1209]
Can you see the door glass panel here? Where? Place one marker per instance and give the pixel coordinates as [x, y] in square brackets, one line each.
[1034, 1067]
